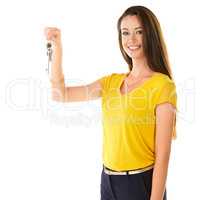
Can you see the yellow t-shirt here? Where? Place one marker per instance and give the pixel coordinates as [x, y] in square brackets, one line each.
[129, 120]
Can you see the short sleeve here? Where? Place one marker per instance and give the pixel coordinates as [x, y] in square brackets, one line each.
[105, 81]
[168, 94]
[102, 81]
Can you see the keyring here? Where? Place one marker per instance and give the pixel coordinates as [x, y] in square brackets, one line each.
[49, 54]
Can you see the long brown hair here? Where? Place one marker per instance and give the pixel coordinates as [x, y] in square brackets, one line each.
[154, 45]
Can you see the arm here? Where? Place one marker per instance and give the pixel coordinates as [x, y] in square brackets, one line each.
[165, 116]
[60, 92]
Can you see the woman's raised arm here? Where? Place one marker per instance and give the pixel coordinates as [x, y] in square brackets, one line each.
[60, 92]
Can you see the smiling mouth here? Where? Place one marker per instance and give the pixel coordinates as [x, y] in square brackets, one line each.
[133, 48]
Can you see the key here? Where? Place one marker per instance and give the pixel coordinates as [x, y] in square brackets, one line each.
[49, 54]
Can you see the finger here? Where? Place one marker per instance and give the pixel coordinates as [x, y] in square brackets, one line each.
[53, 29]
[52, 33]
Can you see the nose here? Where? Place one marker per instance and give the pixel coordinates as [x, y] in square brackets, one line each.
[132, 38]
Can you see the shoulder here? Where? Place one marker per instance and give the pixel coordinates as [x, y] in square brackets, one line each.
[163, 80]
[111, 79]
[165, 89]
[113, 76]
[116, 75]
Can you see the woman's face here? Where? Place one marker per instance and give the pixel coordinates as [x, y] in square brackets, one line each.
[131, 34]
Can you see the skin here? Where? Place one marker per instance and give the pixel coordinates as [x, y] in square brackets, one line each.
[61, 92]
[165, 113]
[131, 29]
[131, 33]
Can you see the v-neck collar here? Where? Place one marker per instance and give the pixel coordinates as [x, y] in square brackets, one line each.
[136, 88]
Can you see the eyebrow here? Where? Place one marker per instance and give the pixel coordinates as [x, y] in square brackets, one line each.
[134, 28]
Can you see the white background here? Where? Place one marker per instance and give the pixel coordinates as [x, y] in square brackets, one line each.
[51, 151]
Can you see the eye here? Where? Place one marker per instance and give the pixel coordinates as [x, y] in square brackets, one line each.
[125, 33]
[139, 32]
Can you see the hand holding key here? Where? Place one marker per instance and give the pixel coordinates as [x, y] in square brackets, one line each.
[53, 35]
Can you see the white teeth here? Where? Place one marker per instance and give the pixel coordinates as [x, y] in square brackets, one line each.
[134, 47]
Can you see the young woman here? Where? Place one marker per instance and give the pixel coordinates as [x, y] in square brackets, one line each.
[139, 109]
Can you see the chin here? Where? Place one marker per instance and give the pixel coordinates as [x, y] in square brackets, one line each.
[136, 56]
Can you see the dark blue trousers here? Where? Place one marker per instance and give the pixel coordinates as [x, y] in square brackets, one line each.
[127, 187]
